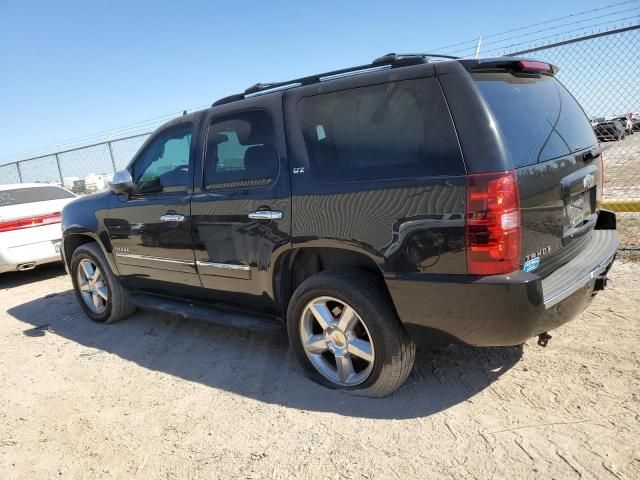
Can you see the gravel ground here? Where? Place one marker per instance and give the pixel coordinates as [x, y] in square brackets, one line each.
[158, 397]
[622, 168]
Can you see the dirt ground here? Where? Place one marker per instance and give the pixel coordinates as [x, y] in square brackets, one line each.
[158, 397]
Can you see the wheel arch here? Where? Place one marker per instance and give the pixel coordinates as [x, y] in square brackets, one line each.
[72, 240]
[297, 264]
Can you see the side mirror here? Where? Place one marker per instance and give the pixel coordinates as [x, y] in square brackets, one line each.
[122, 182]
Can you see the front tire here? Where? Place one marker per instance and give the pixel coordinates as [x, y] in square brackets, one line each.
[97, 289]
[346, 334]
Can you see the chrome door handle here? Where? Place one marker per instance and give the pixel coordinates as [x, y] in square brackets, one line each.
[172, 218]
[266, 215]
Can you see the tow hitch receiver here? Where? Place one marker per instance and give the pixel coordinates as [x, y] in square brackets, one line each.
[543, 339]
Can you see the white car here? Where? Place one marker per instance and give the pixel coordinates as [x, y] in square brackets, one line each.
[30, 233]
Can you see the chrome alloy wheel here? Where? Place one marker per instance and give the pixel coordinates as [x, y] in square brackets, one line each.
[337, 341]
[92, 287]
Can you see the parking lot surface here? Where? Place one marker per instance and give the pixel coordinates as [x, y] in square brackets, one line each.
[159, 397]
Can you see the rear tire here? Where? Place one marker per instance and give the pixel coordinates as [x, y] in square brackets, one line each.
[98, 290]
[346, 334]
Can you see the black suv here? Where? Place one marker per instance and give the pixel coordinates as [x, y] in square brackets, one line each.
[362, 208]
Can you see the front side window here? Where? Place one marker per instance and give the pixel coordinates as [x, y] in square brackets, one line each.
[164, 165]
[241, 151]
[392, 130]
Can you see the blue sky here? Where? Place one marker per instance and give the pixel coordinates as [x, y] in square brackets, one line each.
[70, 68]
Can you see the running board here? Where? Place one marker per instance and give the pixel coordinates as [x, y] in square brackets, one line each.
[258, 323]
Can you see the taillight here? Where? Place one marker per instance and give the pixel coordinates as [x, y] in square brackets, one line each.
[493, 223]
[29, 222]
[531, 66]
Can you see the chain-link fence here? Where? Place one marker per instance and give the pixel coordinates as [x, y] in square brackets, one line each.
[83, 170]
[602, 71]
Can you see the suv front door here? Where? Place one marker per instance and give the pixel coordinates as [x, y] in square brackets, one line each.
[241, 207]
[150, 229]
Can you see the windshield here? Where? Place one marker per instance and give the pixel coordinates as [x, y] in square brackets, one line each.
[538, 117]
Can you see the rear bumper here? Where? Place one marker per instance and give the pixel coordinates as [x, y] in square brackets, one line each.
[11, 258]
[503, 309]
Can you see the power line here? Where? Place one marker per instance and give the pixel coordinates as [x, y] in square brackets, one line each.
[577, 14]
[530, 42]
[144, 126]
[91, 138]
[504, 40]
[130, 129]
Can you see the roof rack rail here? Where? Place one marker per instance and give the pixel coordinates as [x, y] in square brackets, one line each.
[260, 86]
[398, 57]
[390, 60]
[229, 99]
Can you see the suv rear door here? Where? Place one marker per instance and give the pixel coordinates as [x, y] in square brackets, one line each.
[241, 205]
[554, 151]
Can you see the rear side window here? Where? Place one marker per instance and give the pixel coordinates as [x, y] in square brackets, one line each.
[538, 117]
[394, 130]
[17, 196]
[241, 151]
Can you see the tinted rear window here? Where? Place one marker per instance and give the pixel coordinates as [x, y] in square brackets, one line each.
[392, 130]
[538, 117]
[17, 196]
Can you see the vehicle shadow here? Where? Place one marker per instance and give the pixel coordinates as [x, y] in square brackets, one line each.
[261, 366]
[41, 272]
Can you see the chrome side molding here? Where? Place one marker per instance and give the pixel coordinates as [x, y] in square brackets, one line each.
[226, 266]
[152, 258]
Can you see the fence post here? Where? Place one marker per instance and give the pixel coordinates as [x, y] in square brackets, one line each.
[59, 170]
[19, 171]
[113, 160]
[478, 46]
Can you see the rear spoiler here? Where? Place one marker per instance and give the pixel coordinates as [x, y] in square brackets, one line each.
[522, 66]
